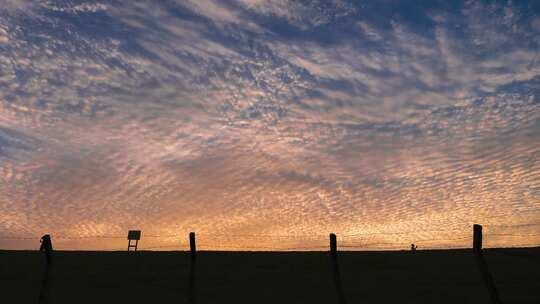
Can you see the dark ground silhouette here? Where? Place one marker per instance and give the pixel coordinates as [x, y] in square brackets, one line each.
[444, 276]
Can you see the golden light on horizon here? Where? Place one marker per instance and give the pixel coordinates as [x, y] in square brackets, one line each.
[388, 131]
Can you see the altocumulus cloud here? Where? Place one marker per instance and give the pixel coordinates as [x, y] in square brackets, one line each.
[267, 117]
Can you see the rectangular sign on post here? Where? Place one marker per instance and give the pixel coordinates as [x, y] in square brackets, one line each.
[134, 235]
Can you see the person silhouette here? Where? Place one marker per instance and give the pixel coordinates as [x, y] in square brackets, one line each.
[413, 247]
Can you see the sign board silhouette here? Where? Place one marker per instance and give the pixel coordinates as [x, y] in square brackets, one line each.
[133, 235]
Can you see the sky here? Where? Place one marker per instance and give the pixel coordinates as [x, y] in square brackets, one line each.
[269, 124]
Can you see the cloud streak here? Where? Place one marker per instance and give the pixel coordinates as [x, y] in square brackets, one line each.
[272, 117]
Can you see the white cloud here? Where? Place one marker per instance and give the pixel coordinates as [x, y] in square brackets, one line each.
[4, 38]
[145, 117]
[18, 6]
[304, 15]
[369, 31]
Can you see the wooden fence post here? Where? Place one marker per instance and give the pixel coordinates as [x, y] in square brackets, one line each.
[191, 279]
[477, 239]
[482, 265]
[192, 247]
[333, 245]
[335, 270]
[46, 248]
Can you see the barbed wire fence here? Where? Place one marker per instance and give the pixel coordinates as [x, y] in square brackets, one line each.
[455, 238]
[496, 236]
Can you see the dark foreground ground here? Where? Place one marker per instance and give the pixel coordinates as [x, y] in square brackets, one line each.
[445, 276]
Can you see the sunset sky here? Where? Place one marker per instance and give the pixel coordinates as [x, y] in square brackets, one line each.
[269, 123]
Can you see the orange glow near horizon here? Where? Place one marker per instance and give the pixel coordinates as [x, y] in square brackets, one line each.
[268, 125]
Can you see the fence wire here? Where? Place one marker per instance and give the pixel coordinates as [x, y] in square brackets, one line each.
[384, 240]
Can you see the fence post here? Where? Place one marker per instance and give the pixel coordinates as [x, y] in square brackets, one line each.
[335, 270]
[191, 278]
[333, 245]
[192, 247]
[477, 239]
[46, 248]
[482, 265]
